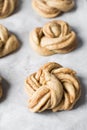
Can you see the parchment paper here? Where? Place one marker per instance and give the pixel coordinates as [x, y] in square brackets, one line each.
[14, 114]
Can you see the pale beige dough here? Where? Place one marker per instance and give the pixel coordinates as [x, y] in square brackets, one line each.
[52, 8]
[54, 37]
[8, 42]
[7, 7]
[52, 87]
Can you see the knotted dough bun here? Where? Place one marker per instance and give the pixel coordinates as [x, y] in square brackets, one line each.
[53, 37]
[8, 42]
[7, 7]
[52, 87]
[52, 8]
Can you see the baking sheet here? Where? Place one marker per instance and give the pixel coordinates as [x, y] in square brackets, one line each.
[14, 114]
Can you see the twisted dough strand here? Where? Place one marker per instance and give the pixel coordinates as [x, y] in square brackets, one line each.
[52, 8]
[7, 7]
[52, 87]
[8, 42]
[53, 37]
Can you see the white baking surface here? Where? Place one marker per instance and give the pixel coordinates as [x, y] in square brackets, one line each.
[14, 114]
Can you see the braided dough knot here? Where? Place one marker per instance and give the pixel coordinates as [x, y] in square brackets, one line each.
[52, 87]
[7, 7]
[53, 37]
[52, 8]
[8, 42]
